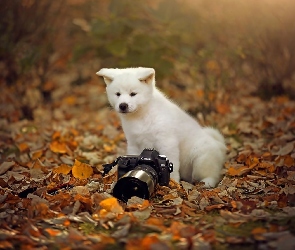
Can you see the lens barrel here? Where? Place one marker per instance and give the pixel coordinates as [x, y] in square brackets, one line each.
[140, 182]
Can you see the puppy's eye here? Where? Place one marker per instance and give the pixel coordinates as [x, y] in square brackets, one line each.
[133, 94]
[118, 94]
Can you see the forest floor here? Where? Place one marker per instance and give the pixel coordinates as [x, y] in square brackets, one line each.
[53, 194]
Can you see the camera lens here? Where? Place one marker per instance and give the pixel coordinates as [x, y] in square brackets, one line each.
[139, 182]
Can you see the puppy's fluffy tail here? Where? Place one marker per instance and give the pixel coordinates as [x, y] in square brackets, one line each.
[215, 134]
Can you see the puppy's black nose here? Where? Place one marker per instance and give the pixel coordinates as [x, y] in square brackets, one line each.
[123, 107]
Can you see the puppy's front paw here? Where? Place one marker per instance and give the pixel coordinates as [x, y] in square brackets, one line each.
[210, 182]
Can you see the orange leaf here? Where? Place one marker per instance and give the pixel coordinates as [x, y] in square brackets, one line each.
[23, 147]
[175, 229]
[222, 108]
[234, 204]
[32, 230]
[257, 233]
[62, 169]
[200, 93]
[70, 100]
[289, 161]
[156, 222]
[37, 154]
[232, 171]
[56, 135]
[215, 206]
[140, 206]
[111, 205]
[83, 199]
[134, 244]
[66, 223]
[148, 240]
[108, 148]
[58, 147]
[81, 170]
[52, 232]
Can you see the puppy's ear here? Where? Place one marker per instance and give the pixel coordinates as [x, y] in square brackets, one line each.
[107, 74]
[146, 75]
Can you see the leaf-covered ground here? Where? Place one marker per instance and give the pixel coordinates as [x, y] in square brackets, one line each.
[53, 195]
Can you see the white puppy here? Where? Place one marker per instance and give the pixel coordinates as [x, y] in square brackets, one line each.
[150, 120]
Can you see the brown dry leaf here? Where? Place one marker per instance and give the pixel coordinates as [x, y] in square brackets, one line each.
[268, 166]
[137, 203]
[112, 205]
[199, 93]
[134, 244]
[289, 161]
[32, 230]
[81, 170]
[223, 108]
[156, 222]
[62, 169]
[142, 215]
[287, 149]
[70, 100]
[186, 210]
[258, 233]
[5, 166]
[175, 229]
[148, 241]
[212, 207]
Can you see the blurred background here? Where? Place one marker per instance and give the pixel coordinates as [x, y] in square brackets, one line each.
[209, 49]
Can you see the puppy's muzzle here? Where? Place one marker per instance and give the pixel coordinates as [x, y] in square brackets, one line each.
[123, 107]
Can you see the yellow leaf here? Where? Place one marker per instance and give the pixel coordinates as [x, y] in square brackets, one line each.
[108, 148]
[81, 170]
[62, 169]
[58, 147]
[36, 154]
[111, 205]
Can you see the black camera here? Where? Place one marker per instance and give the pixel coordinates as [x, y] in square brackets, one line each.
[138, 175]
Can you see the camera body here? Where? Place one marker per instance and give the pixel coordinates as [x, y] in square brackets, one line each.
[148, 157]
[138, 175]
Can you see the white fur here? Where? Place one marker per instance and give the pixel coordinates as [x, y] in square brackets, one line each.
[153, 121]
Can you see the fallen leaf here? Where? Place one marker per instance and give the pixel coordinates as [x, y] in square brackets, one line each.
[287, 149]
[233, 171]
[81, 170]
[137, 203]
[58, 147]
[258, 233]
[5, 166]
[23, 147]
[36, 154]
[62, 169]
[111, 205]
[223, 108]
[52, 232]
[289, 161]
